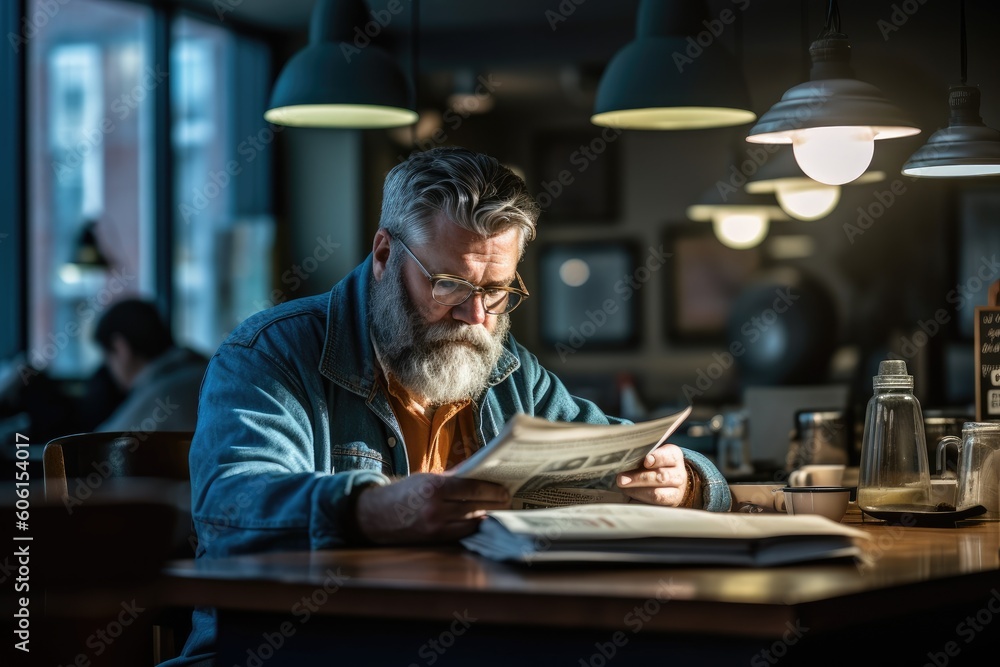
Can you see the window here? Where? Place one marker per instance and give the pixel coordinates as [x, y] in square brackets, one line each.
[223, 228]
[95, 143]
[89, 79]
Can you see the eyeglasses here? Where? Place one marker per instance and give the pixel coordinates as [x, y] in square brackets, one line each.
[451, 290]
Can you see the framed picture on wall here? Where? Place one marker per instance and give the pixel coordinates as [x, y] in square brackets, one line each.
[703, 283]
[575, 176]
[586, 304]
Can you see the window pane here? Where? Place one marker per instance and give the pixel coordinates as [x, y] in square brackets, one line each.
[90, 84]
[223, 228]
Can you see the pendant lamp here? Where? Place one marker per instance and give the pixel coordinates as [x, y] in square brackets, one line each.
[833, 120]
[740, 220]
[673, 75]
[967, 147]
[798, 195]
[341, 79]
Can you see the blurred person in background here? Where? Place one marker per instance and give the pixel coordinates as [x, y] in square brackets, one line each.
[160, 379]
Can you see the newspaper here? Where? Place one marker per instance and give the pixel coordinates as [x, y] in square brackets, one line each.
[650, 534]
[551, 464]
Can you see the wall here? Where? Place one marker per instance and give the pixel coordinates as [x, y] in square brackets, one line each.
[885, 281]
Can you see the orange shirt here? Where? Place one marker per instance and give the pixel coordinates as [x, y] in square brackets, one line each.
[438, 443]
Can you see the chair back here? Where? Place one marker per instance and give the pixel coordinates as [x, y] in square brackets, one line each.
[95, 457]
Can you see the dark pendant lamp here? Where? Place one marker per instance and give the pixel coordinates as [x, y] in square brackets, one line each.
[967, 147]
[336, 82]
[833, 120]
[666, 80]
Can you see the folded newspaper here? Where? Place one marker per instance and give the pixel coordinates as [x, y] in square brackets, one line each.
[666, 535]
[551, 464]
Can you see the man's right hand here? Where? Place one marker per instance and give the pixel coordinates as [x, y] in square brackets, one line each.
[427, 507]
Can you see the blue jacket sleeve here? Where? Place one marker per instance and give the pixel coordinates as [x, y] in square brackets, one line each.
[255, 485]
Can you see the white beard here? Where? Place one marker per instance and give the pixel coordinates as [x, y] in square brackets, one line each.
[444, 362]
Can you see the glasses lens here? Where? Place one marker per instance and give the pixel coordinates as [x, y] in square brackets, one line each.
[451, 292]
[497, 300]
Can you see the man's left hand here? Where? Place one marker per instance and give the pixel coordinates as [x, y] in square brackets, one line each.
[663, 479]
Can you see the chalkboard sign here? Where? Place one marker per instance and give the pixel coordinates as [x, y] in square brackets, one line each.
[987, 363]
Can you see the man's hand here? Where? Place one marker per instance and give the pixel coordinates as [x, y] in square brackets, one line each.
[425, 507]
[662, 481]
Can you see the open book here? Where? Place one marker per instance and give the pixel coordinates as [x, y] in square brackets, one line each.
[668, 535]
[550, 464]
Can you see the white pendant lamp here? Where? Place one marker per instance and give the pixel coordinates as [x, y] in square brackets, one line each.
[740, 220]
[833, 120]
[799, 196]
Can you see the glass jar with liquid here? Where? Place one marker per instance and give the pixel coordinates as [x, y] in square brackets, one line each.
[894, 472]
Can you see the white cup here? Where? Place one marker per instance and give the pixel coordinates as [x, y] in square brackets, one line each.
[818, 474]
[828, 501]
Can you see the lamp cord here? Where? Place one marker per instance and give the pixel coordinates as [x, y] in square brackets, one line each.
[414, 18]
[964, 43]
[832, 18]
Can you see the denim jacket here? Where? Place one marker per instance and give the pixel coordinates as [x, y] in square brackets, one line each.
[291, 420]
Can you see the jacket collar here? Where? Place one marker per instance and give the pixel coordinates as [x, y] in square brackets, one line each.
[348, 357]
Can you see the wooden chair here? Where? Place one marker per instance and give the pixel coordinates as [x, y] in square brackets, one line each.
[114, 455]
[84, 467]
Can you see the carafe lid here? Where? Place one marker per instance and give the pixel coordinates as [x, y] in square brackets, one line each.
[892, 374]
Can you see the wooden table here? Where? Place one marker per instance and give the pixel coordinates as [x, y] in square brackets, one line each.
[923, 596]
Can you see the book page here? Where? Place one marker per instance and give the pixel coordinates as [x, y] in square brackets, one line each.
[532, 453]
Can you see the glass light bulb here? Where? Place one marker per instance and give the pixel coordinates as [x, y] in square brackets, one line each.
[741, 230]
[807, 200]
[834, 155]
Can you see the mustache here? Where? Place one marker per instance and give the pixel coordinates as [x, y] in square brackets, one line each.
[447, 332]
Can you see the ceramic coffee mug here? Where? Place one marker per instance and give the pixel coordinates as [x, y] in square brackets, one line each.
[817, 474]
[757, 497]
[828, 501]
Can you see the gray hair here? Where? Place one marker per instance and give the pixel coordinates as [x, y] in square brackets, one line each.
[472, 190]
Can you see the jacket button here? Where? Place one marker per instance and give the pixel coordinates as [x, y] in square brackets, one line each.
[392, 442]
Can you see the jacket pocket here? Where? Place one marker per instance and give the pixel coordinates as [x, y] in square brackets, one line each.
[358, 457]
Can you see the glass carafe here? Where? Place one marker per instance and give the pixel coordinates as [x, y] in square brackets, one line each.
[894, 473]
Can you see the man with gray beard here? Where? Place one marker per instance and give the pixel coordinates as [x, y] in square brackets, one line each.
[332, 420]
